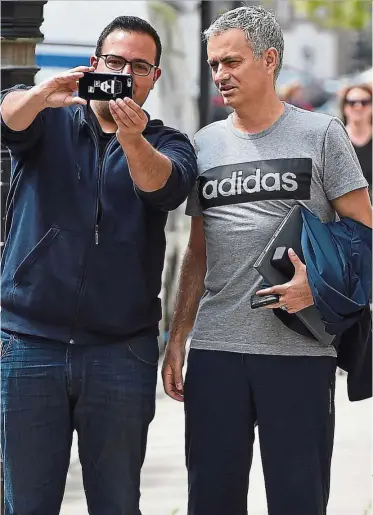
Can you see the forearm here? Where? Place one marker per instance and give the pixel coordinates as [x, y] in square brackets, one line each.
[356, 205]
[149, 168]
[20, 108]
[191, 289]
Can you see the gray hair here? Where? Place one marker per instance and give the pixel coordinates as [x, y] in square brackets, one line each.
[260, 27]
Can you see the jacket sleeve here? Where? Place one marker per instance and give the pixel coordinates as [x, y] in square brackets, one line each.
[20, 141]
[179, 150]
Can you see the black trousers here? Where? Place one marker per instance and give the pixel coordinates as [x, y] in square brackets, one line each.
[291, 398]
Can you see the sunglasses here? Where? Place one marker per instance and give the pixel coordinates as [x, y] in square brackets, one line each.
[364, 102]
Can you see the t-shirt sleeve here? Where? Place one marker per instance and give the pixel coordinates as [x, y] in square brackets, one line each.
[193, 206]
[20, 141]
[342, 170]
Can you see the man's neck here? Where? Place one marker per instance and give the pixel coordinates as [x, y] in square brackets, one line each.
[258, 115]
[107, 126]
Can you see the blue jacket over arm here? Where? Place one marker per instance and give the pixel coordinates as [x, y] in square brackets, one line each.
[338, 256]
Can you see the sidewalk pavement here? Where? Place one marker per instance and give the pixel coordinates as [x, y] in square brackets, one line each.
[164, 488]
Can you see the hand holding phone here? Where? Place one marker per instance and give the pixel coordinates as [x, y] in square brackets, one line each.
[260, 301]
[60, 90]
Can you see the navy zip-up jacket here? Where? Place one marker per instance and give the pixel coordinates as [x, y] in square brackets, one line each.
[338, 256]
[68, 274]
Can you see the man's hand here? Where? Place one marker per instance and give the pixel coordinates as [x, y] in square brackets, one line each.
[295, 295]
[58, 91]
[130, 119]
[172, 371]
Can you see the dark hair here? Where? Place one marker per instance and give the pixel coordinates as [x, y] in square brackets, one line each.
[364, 87]
[131, 24]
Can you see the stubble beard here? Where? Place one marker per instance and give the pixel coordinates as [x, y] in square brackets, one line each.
[102, 109]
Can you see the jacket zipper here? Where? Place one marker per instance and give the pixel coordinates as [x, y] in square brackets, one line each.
[100, 161]
[96, 237]
[98, 203]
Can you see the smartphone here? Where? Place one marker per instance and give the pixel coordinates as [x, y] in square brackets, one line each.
[105, 86]
[259, 301]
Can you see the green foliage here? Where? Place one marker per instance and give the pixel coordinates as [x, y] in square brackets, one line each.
[164, 10]
[368, 511]
[347, 14]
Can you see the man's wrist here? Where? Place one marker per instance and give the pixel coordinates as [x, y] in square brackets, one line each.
[177, 341]
[131, 143]
[37, 98]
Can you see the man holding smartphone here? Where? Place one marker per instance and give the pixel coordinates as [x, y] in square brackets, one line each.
[244, 365]
[90, 190]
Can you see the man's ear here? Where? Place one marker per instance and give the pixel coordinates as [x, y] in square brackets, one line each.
[157, 74]
[271, 60]
[93, 61]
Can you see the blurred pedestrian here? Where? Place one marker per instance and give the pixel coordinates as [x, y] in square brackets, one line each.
[294, 94]
[244, 365]
[90, 191]
[356, 107]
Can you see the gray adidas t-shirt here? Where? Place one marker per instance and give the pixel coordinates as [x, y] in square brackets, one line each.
[247, 183]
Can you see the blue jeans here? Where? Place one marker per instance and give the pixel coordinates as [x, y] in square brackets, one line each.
[105, 392]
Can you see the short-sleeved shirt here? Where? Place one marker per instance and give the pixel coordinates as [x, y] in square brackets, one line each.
[246, 185]
[364, 155]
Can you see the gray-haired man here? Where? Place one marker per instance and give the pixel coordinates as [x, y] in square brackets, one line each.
[246, 365]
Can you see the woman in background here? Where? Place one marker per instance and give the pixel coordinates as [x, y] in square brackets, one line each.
[357, 116]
